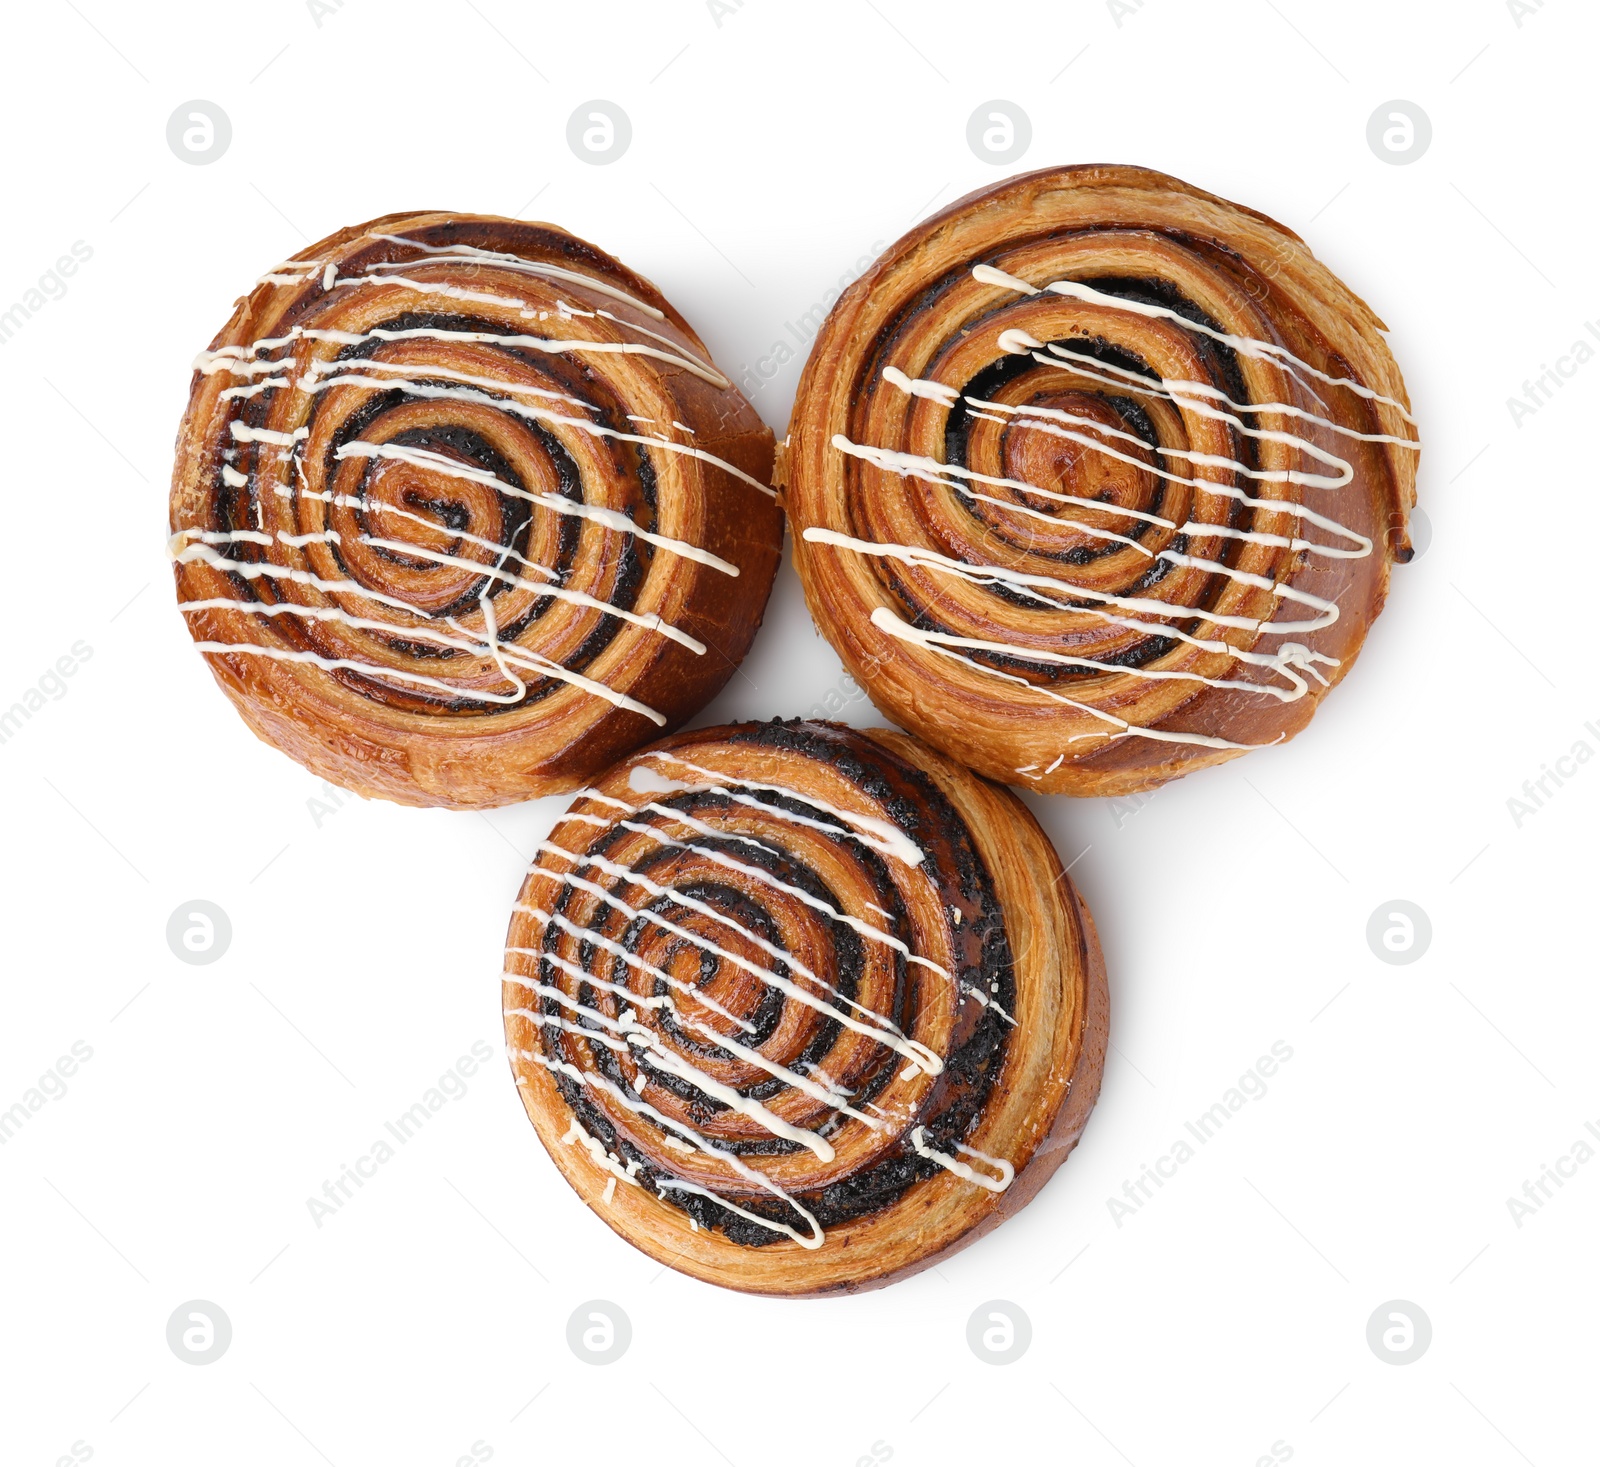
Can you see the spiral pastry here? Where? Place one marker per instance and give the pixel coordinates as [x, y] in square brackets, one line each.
[1097, 479]
[799, 1009]
[462, 511]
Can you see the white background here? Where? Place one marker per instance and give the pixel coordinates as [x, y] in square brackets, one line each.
[1229, 1313]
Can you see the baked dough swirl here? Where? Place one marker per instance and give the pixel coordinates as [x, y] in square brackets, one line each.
[799, 1009]
[1096, 479]
[462, 511]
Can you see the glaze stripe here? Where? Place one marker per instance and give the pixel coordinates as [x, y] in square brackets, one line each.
[1290, 662]
[889, 1034]
[1247, 346]
[593, 905]
[287, 361]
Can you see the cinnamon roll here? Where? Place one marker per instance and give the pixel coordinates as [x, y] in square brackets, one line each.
[1097, 479]
[800, 1009]
[463, 511]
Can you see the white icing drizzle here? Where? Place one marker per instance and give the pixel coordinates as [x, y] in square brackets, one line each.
[626, 1034]
[357, 501]
[882, 835]
[575, 344]
[200, 549]
[646, 779]
[491, 646]
[322, 374]
[233, 359]
[816, 1239]
[951, 476]
[734, 1163]
[270, 364]
[649, 622]
[598, 430]
[985, 1001]
[1033, 411]
[866, 929]
[243, 433]
[632, 960]
[642, 1043]
[830, 1094]
[472, 253]
[1289, 657]
[960, 1168]
[612, 519]
[954, 476]
[1290, 660]
[607, 1161]
[1246, 346]
[872, 1026]
[1328, 612]
[572, 313]
[1293, 662]
[474, 256]
[524, 657]
[589, 793]
[1194, 397]
[886, 621]
[351, 664]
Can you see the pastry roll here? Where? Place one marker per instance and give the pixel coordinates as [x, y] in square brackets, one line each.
[1097, 479]
[463, 511]
[799, 1009]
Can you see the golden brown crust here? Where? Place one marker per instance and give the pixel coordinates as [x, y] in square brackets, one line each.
[984, 929]
[1070, 496]
[519, 371]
